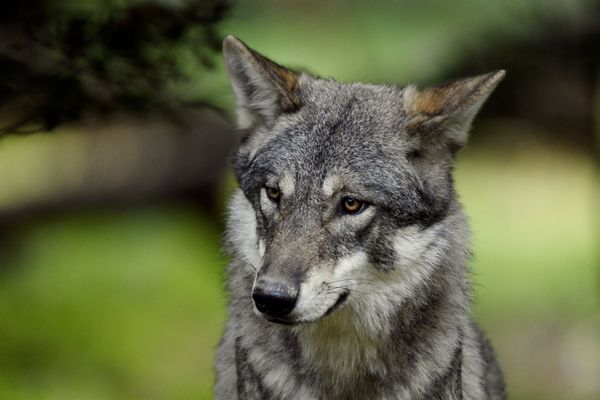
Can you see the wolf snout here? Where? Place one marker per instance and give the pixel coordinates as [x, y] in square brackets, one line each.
[274, 298]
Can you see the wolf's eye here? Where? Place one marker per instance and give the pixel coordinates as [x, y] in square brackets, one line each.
[352, 205]
[273, 193]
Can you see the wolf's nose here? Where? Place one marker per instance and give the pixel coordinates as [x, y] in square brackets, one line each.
[275, 299]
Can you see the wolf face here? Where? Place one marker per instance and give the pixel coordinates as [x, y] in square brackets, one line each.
[346, 197]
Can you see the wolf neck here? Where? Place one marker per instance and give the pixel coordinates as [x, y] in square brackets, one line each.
[423, 333]
[341, 346]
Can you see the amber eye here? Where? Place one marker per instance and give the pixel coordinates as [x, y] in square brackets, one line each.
[352, 205]
[273, 193]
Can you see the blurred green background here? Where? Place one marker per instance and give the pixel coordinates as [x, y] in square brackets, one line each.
[111, 269]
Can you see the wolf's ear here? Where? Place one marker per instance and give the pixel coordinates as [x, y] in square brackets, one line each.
[451, 107]
[263, 89]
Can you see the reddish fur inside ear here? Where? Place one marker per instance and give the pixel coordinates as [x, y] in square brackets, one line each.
[427, 103]
[436, 100]
[430, 101]
[450, 107]
[455, 96]
[263, 88]
[286, 79]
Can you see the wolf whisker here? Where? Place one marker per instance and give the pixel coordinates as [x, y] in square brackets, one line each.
[248, 264]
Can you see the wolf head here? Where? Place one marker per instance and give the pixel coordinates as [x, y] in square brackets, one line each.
[346, 189]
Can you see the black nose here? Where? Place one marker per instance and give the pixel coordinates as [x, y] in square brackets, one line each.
[275, 299]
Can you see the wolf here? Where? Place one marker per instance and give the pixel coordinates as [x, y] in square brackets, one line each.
[349, 249]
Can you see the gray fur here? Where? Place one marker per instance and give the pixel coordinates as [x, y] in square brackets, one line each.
[384, 294]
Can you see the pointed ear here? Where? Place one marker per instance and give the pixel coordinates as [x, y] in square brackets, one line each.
[451, 107]
[263, 89]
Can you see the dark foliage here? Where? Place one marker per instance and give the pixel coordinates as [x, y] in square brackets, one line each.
[61, 60]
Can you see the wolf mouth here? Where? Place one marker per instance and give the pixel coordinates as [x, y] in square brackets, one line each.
[280, 321]
[338, 303]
